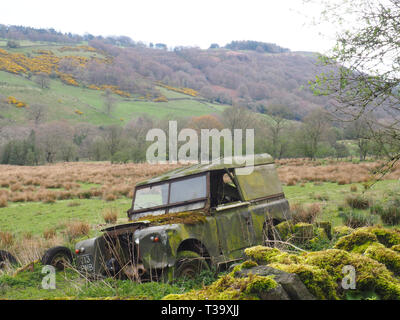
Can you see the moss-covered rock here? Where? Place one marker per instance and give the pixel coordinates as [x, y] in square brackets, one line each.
[245, 265]
[327, 226]
[265, 255]
[390, 258]
[230, 288]
[341, 231]
[357, 241]
[388, 237]
[370, 274]
[319, 235]
[285, 230]
[318, 281]
[303, 232]
[396, 248]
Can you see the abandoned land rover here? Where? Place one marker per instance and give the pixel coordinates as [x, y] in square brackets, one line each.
[187, 220]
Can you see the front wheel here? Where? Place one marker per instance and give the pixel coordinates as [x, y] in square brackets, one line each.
[189, 264]
[58, 257]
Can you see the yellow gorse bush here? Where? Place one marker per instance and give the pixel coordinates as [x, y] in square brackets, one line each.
[16, 102]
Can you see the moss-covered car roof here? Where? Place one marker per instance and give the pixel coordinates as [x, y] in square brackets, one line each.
[219, 164]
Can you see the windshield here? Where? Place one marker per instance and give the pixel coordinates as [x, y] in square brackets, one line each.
[152, 196]
[182, 194]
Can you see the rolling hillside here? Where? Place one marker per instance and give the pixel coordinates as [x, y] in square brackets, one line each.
[82, 104]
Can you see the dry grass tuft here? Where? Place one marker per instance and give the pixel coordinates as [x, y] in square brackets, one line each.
[76, 229]
[110, 215]
[6, 239]
[49, 233]
[353, 188]
[109, 196]
[3, 201]
[306, 214]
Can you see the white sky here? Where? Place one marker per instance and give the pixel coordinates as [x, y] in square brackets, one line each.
[178, 22]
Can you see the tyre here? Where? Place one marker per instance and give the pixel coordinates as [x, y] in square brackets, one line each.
[7, 258]
[58, 257]
[189, 264]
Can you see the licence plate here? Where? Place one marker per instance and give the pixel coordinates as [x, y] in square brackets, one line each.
[85, 263]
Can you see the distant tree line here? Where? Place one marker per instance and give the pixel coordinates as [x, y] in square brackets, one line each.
[255, 46]
[315, 137]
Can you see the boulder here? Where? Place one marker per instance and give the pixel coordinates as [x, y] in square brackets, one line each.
[289, 282]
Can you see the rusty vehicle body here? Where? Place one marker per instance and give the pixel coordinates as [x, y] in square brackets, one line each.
[209, 212]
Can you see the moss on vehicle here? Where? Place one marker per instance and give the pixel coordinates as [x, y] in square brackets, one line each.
[186, 217]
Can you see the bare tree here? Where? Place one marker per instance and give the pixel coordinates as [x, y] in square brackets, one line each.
[112, 137]
[315, 125]
[238, 118]
[37, 113]
[42, 79]
[109, 101]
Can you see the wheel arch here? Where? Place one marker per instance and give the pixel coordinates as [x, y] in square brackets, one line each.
[194, 245]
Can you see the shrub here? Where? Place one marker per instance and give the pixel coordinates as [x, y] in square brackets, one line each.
[390, 214]
[110, 215]
[354, 219]
[357, 202]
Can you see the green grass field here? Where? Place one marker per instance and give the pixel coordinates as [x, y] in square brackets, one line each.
[64, 100]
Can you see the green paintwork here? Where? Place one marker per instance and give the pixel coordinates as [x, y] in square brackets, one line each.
[262, 182]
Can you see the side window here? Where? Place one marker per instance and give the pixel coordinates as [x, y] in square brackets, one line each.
[188, 189]
[224, 189]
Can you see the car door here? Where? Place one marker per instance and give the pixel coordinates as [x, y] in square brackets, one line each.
[235, 228]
